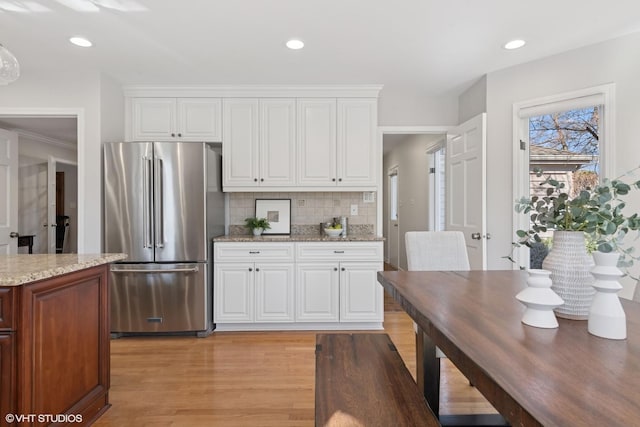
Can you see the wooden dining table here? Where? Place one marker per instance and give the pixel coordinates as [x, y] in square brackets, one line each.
[532, 376]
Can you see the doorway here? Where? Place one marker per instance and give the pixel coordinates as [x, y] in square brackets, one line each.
[406, 163]
[42, 138]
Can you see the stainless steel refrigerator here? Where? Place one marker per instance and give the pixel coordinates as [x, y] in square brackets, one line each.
[163, 203]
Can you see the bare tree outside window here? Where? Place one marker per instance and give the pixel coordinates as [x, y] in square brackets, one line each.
[566, 145]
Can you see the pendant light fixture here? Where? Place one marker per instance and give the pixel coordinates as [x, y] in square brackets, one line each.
[9, 67]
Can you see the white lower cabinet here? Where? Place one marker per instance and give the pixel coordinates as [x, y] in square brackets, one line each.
[253, 292]
[318, 292]
[234, 293]
[338, 292]
[274, 292]
[361, 296]
[301, 285]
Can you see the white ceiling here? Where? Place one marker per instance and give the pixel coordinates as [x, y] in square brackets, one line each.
[430, 47]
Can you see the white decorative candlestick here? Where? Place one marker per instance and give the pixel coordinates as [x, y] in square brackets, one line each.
[540, 300]
[606, 316]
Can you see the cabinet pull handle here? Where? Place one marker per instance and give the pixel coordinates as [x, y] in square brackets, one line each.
[254, 252]
[250, 269]
[338, 252]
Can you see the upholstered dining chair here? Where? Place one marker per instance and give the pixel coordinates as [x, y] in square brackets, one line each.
[436, 251]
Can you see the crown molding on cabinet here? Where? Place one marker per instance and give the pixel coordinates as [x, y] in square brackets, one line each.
[255, 91]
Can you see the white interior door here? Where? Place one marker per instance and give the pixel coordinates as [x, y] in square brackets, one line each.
[51, 206]
[394, 219]
[466, 187]
[8, 192]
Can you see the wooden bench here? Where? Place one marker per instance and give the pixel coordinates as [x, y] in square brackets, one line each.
[361, 380]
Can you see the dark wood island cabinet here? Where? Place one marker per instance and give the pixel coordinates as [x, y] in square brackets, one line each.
[54, 339]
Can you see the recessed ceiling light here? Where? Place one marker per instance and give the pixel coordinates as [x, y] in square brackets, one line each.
[514, 44]
[295, 44]
[80, 41]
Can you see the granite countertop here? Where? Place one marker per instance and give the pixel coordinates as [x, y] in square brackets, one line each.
[299, 238]
[17, 270]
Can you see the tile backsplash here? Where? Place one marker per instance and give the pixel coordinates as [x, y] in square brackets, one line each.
[308, 210]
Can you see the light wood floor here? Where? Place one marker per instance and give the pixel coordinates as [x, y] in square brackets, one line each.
[241, 379]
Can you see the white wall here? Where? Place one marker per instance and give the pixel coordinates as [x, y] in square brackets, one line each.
[473, 101]
[32, 148]
[41, 92]
[615, 61]
[410, 155]
[410, 108]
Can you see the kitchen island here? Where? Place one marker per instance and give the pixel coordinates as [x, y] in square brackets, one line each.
[54, 338]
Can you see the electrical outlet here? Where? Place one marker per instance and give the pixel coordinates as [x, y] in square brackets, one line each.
[354, 210]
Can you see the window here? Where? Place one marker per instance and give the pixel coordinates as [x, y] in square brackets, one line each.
[393, 195]
[437, 189]
[566, 146]
[569, 136]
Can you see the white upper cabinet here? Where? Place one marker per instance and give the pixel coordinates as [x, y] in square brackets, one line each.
[337, 142]
[175, 119]
[277, 142]
[317, 142]
[274, 139]
[259, 143]
[356, 142]
[240, 146]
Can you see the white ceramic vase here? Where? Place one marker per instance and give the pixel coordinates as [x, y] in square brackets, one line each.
[540, 300]
[606, 316]
[570, 267]
[258, 231]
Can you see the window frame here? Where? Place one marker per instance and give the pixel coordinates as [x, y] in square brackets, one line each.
[602, 95]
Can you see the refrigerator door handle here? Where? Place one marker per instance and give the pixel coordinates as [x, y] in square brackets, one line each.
[166, 270]
[147, 221]
[159, 203]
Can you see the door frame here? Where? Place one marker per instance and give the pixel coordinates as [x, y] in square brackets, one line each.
[80, 116]
[52, 168]
[382, 174]
[393, 171]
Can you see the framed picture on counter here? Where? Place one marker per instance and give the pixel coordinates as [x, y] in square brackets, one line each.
[277, 212]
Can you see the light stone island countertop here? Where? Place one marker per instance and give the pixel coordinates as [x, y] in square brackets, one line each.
[19, 269]
[299, 238]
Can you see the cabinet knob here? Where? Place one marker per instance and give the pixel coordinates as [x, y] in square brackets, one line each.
[255, 179]
[261, 179]
[179, 134]
[342, 269]
[257, 269]
[340, 179]
[335, 268]
[250, 269]
[173, 135]
[333, 179]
